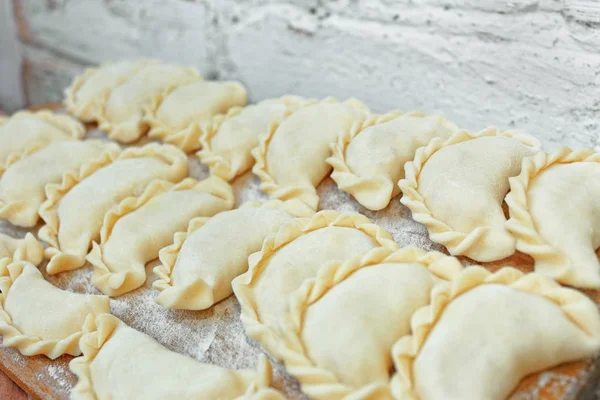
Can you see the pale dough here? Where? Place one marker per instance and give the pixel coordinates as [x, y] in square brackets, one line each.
[75, 211]
[22, 184]
[228, 141]
[326, 345]
[295, 253]
[120, 363]
[291, 158]
[139, 227]
[456, 189]
[369, 161]
[555, 215]
[178, 115]
[38, 318]
[495, 329]
[123, 116]
[25, 132]
[26, 249]
[196, 273]
[87, 95]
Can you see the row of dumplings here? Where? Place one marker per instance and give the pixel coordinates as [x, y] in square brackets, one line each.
[132, 201]
[132, 98]
[340, 327]
[75, 183]
[374, 158]
[368, 164]
[271, 255]
[459, 202]
[115, 360]
[130, 204]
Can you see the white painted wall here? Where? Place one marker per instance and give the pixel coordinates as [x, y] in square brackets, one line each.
[528, 64]
[11, 88]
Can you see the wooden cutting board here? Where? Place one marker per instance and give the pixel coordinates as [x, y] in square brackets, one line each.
[10, 390]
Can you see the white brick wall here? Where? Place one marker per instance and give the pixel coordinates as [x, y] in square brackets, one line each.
[529, 64]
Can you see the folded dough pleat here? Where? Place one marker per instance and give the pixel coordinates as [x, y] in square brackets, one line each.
[368, 301]
[291, 156]
[25, 132]
[368, 161]
[484, 332]
[38, 318]
[75, 209]
[228, 140]
[197, 269]
[178, 114]
[293, 254]
[22, 184]
[87, 95]
[456, 188]
[119, 362]
[139, 227]
[26, 249]
[555, 215]
[122, 116]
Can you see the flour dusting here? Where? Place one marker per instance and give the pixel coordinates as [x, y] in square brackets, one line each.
[58, 375]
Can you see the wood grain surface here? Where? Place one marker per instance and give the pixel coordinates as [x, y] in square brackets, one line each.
[10, 390]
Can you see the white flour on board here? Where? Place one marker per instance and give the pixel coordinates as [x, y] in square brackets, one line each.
[58, 375]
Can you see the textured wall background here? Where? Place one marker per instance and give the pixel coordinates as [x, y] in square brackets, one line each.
[11, 90]
[529, 64]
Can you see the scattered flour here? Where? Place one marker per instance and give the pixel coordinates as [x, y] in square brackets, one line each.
[58, 375]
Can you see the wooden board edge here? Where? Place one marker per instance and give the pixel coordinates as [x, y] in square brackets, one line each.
[13, 377]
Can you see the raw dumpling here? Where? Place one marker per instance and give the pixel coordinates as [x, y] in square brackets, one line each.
[75, 209]
[123, 112]
[22, 185]
[26, 132]
[178, 114]
[87, 95]
[291, 157]
[120, 363]
[379, 290]
[139, 227]
[39, 318]
[456, 187]
[484, 332]
[197, 269]
[27, 249]
[368, 161]
[228, 141]
[555, 215]
[295, 253]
